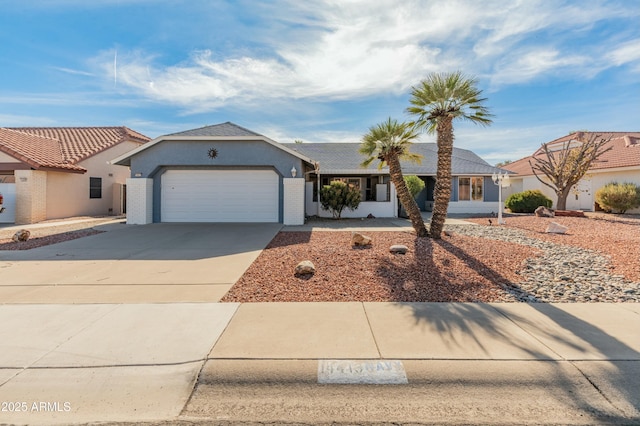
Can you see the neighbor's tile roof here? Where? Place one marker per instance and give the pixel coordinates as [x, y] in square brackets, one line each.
[344, 157]
[36, 151]
[62, 147]
[625, 152]
[222, 129]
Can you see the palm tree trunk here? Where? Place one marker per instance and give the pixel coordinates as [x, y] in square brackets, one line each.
[442, 192]
[406, 199]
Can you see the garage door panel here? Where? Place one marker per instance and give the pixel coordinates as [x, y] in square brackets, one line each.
[219, 196]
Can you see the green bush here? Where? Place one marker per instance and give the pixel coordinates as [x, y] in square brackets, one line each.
[618, 197]
[338, 195]
[415, 185]
[527, 201]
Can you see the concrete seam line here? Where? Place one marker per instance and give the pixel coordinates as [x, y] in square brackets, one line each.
[193, 387]
[223, 331]
[597, 388]
[529, 334]
[61, 343]
[371, 329]
[103, 366]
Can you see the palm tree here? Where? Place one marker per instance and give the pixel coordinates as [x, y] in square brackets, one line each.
[389, 142]
[436, 102]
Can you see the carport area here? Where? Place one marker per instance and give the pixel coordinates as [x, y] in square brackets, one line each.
[156, 263]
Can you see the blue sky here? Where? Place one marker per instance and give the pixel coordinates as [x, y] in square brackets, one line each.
[320, 71]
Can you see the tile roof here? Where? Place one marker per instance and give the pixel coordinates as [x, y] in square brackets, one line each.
[344, 157]
[222, 129]
[62, 147]
[625, 152]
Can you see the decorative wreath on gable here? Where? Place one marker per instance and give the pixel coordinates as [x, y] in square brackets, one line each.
[213, 153]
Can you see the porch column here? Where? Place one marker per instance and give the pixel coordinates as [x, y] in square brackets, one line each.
[293, 201]
[139, 201]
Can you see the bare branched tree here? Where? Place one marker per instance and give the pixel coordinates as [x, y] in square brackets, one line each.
[563, 168]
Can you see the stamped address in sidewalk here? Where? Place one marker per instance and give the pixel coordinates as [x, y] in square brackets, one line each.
[378, 372]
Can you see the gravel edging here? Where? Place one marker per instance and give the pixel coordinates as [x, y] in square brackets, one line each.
[561, 273]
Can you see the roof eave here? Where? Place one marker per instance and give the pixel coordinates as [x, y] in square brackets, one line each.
[125, 159]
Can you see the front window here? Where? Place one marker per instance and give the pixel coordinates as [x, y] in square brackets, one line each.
[95, 187]
[470, 188]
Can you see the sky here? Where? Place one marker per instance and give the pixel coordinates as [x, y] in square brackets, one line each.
[320, 70]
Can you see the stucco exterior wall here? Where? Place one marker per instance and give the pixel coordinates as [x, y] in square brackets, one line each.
[6, 158]
[587, 187]
[68, 193]
[167, 155]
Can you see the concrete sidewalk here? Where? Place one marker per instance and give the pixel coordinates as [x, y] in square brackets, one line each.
[450, 363]
[572, 363]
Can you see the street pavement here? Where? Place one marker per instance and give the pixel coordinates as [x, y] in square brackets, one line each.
[97, 353]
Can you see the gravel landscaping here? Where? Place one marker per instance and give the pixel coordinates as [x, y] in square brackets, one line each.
[596, 261]
[9, 244]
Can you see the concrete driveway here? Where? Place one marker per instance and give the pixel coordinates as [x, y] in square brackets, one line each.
[154, 263]
[98, 329]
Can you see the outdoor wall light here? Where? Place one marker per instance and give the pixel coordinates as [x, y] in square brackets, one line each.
[294, 172]
[138, 175]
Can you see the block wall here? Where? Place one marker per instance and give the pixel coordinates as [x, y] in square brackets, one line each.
[293, 201]
[31, 196]
[139, 201]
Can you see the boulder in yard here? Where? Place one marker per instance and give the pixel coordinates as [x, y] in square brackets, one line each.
[358, 239]
[398, 249]
[305, 267]
[556, 228]
[21, 235]
[543, 211]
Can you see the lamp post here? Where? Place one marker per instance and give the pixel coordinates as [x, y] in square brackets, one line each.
[500, 179]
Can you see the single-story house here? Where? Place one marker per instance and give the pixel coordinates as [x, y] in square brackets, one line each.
[58, 172]
[620, 164]
[227, 173]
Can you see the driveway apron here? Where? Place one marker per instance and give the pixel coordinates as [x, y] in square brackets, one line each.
[117, 326]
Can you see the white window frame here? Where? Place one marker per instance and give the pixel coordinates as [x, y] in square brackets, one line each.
[471, 188]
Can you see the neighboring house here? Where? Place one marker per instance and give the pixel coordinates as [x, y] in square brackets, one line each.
[58, 172]
[620, 164]
[226, 173]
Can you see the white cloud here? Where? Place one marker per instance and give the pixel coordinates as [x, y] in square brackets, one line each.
[627, 53]
[525, 66]
[74, 72]
[333, 50]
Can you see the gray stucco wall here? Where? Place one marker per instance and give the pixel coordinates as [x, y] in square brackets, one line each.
[490, 189]
[168, 155]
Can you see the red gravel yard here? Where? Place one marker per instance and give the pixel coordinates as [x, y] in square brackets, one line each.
[458, 268]
[454, 269]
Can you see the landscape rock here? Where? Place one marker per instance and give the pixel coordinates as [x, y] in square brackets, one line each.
[543, 211]
[556, 228]
[21, 235]
[358, 239]
[305, 267]
[398, 249]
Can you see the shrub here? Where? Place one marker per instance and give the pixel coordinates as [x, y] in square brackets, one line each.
[414, 184]
[338, 195]
[618, 197]
[527, 201]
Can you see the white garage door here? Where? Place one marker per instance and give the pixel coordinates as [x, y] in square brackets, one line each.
[219, 196]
